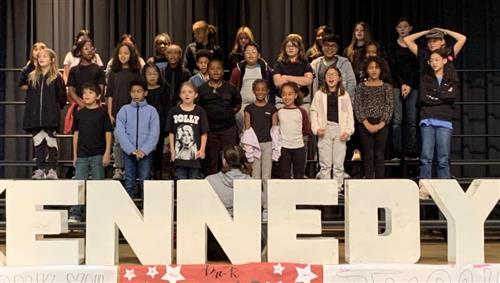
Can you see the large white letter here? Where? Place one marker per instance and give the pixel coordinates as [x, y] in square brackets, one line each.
[465, 213]
[400, 243]
[199, 206]
[286, 222]
[27, 222]
[110, 208]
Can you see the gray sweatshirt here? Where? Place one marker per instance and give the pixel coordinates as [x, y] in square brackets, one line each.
[222, 183]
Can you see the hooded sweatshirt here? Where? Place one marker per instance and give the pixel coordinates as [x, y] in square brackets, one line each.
[222, 183]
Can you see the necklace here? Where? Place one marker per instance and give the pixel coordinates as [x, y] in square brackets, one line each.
[214, 88]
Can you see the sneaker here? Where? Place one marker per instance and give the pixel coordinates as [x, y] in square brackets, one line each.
[117, 174]
[356, 155]
[423, 192]
[39, 174]
[52, 175]
[74, 219]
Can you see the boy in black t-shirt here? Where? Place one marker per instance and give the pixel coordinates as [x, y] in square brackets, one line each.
[187, 125]
[92, 133]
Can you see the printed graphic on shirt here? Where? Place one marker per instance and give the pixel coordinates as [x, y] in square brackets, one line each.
[185, 144]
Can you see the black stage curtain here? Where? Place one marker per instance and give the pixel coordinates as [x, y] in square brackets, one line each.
[56, 22]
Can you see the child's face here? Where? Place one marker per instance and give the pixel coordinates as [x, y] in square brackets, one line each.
[371, 51]
[202, 64]
[88, 51]
[260, 92]
[251, 55]
[200, 34]
[330, 49]
[215, 71]
[243, 40]
[152, 76]
[37, 50]
[332, 78]
[435, 43]
[44, 59]
[359, 32]
[291, 49]
[288, 95]
[161, 45]
[188, 95]
[437, 62]
[137, 93]
[89, 97]
[403, 28]
[124, 54]
[173, 56]
[373, 71]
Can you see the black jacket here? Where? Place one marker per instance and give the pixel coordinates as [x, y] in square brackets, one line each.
[436, 101]
[44, 103]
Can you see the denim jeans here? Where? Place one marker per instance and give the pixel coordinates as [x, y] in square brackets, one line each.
[435, 139]
[187, 173]
[410, 115]
[136, 170]
[84, 166]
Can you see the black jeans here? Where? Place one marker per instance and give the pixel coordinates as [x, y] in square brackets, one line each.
[292, 159]
[373, 152]
[216, 142]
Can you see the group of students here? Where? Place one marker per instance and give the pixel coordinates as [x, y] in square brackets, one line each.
[185, 103]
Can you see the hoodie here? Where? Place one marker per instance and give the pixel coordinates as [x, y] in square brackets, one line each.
[137, 127]
[222, 183]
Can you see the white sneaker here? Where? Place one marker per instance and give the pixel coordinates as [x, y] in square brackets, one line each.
[39, 174]
[52, 175]
[423, 192]
[117, 174]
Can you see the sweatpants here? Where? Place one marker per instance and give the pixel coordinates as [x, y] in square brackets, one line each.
[332, 151]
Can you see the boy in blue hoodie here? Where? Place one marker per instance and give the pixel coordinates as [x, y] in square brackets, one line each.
[137, 130]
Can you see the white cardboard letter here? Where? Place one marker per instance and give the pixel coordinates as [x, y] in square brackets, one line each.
[27, 222]
[199, 206]
[109, 209]
[286, 222]
[400, 243]
[465, 213]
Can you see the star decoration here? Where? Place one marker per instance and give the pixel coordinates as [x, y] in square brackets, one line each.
[152, 271]
[278, 269]
[129, 274]
[305, 274]
[173, 274]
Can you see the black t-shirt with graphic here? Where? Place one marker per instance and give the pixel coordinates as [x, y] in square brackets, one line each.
[187, 127]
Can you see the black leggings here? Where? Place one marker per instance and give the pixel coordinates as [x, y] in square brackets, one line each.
[292, 159]
[373, 152]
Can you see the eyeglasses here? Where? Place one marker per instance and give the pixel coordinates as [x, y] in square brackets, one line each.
[331, 45]
[251, 52]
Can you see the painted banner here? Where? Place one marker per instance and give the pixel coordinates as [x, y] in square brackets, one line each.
[253, 272]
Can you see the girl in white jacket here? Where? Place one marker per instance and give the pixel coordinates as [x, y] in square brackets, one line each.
[332, 121]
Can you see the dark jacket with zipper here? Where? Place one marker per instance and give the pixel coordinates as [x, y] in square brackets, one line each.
[44, 103]
[436, 100]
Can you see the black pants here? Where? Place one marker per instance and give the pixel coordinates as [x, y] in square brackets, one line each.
[44, 141]
[292, 160]
[374, 152]
[216, 142]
